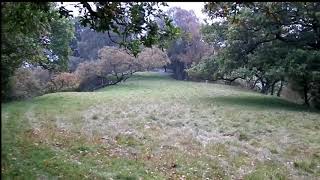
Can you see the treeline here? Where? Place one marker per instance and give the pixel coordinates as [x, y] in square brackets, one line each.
[113, 65]
[266, 47]
[45, 50]
[269, 46]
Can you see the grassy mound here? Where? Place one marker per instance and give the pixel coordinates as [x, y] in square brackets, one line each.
[154, 127]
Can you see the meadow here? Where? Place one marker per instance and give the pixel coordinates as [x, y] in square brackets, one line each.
[154, 127]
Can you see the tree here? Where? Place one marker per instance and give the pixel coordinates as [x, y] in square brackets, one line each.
[87, 43]
[91, 42]
[262, 39]
[23, 26]
[152, 58]
[304, 74]
[290, 22]
[189, 48]
[114, 65]
[61, 34]
[26, 34]
[117, 62]
[134, 22]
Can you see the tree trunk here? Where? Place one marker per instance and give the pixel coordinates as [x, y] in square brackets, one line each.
[255, 83]
[272, 87]
[305, 95]
[178, 68]
[264, 88]
[280, 89]
[102, 82]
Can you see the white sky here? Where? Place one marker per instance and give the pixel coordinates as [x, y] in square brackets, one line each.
[195, 6]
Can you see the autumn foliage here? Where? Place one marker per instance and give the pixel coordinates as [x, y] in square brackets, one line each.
[115, 65]
[64, 82]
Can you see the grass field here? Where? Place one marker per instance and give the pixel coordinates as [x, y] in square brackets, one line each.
[154, 127]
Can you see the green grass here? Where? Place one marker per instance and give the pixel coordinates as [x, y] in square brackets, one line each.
[154, 127]
[268, 171]
[261, 102]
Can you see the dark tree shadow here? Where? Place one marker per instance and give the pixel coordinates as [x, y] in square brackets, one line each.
[154, 76]
[261, 102]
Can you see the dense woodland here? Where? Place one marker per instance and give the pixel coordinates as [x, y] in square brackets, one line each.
[262, 46]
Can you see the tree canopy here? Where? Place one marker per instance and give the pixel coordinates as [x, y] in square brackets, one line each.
[267, 43]
[32, 34]
[39, 34]
[189, 47]
[134, 22]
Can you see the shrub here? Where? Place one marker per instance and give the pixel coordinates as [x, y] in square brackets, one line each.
[42, 75]
[25, 84]
[87, 74]
[30, 82]
[64, 82]
[151, 58]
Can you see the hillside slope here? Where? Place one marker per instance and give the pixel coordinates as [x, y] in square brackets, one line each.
[154, 127]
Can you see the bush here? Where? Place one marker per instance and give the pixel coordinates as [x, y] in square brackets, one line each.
[42, 75]
[31, 82]
[87, 74]
[64, 82]
[25, 84]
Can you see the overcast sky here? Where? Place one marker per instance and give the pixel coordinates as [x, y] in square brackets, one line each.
[195, 6]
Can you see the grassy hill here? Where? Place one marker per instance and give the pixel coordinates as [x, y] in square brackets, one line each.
[154, 127]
